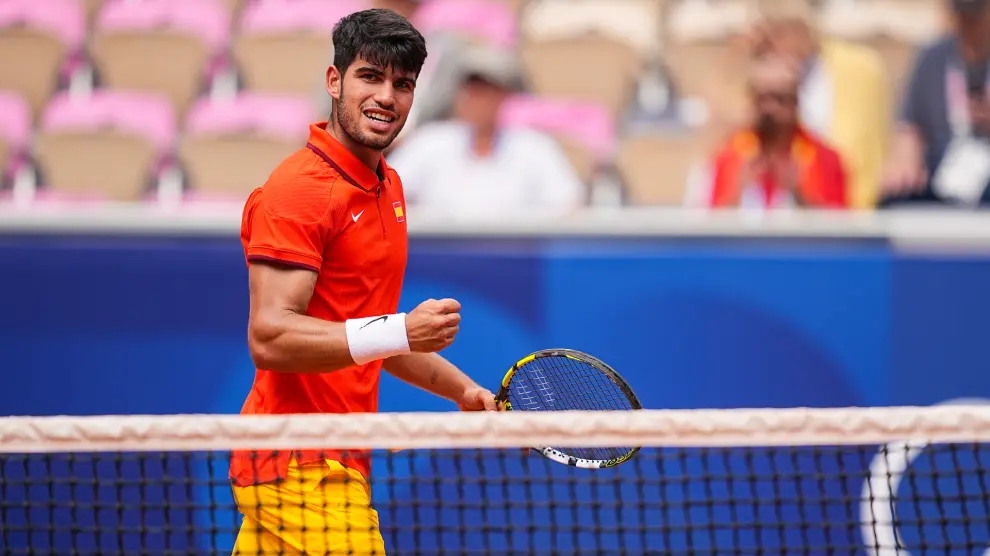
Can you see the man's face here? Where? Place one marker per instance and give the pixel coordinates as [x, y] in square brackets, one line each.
[775, 98]
[371, 103]
[789, 39]
[973, 17]
[478, 103]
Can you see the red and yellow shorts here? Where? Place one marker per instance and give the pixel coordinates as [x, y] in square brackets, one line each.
[320, 508]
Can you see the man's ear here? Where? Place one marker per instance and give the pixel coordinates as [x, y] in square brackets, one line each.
[333, 82]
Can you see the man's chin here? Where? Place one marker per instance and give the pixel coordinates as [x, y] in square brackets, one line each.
[377, 142]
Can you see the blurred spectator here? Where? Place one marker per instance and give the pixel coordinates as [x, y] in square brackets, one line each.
[843, 92]
[468, 166]
[940, 150]
[776, 162]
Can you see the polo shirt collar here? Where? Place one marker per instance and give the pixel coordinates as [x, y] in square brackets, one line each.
[342, 160]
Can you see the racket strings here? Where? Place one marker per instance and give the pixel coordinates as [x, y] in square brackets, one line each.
[562, 384]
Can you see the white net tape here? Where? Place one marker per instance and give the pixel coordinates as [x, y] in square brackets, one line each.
[648, 428]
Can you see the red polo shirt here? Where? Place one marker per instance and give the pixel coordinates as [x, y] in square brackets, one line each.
[324, 210]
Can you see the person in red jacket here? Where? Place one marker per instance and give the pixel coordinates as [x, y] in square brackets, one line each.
[775, 162]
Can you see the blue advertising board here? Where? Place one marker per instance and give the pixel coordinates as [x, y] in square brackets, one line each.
[155, 325]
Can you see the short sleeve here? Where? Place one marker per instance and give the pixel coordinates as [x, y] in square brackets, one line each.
[922, 77]
[290, 223]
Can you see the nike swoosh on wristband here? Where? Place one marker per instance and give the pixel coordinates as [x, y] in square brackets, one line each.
[382, 318]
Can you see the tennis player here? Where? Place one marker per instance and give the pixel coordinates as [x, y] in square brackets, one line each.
[326, 246]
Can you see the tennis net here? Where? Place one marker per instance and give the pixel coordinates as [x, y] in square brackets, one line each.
[879, 481]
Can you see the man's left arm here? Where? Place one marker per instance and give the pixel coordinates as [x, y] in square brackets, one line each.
[436, 375]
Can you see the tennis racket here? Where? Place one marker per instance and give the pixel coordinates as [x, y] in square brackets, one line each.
[568, 380]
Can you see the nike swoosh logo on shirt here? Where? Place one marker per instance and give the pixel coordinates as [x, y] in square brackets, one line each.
[355, 217]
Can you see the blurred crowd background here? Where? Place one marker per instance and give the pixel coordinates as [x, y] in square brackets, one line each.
[550, 105]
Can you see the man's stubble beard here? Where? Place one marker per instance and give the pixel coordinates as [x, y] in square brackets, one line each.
[352, 128]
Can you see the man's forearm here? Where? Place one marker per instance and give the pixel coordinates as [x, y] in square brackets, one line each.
[295, 343]
[908, 141]
[432, 373]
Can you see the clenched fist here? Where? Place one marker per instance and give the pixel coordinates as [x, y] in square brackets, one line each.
[432, 325]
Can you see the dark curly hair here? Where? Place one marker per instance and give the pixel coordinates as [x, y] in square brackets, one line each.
[381, 37]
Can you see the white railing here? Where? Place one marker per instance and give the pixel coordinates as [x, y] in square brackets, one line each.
[946, 228]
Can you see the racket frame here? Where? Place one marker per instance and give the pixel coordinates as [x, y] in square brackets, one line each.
[502, 397]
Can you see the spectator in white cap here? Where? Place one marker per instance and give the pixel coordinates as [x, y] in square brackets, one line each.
[468, 166]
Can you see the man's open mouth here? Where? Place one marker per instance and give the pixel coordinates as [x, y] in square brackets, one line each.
[378, 116]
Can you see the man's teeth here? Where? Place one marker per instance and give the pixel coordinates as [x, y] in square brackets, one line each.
[379, 118]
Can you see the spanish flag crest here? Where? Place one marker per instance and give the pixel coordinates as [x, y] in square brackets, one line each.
[400, 216]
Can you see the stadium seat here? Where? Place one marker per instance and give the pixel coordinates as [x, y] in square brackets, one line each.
[558, 68]
[108, 144]
[491, 21]
[285, 46]
[699, 47]
[15, 131]
[163, 46]
[405, 7]
[634, 21]
[655, 166]
[584, 130]
[231, 146]
[36, 39]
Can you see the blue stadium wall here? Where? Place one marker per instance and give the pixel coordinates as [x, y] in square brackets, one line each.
[113, 325]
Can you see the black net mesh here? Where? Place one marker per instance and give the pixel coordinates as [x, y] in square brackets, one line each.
[926, 499]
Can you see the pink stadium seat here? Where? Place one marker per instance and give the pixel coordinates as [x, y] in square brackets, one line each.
[230, 147]
[144, 114]
[491, 20]
[284, 117]
[585, 122]
[40, 42]
[283, 44]
[276, 16]
[109, 145]
[65, 19]
[208, 20]
[171, 47]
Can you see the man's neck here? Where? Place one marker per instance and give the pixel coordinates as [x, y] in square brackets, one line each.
[483, 142]
[370, 157]
[780, 141]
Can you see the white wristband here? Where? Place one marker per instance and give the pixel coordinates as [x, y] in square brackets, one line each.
[373, 338]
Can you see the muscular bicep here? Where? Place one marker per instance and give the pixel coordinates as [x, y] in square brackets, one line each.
[277, 289]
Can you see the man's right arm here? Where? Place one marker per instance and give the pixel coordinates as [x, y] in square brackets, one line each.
[281, 336]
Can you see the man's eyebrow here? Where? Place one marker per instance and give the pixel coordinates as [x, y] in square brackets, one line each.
[376, 70]
[371, 69]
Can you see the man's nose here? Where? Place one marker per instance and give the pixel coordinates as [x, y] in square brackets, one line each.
[385, 95]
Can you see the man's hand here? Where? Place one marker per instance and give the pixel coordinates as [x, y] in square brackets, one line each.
[905, 172]
[477, 399]
[979, 110]
[753, 170]
[432, 325]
